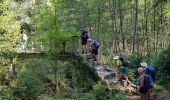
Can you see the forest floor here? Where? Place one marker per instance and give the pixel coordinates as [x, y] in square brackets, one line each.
[158, 93]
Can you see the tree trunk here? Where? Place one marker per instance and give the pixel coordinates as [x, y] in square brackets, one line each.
[121, 25]
[113, 23]
[146, 29]
[154, 28]
[98, 22]
[161, 21]
[135, 26]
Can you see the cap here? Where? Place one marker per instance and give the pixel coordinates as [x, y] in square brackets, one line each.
[143, 64]
[89, 40]
[116, 57]
[141, 70]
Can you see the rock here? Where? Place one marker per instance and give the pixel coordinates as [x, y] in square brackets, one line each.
[158, 88]
[134, 97]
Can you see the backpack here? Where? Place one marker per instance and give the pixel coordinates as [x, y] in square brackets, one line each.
[148, 84]
[96, 44]
[125, 62]
[151, 71]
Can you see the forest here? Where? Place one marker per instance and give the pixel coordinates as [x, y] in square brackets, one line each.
[41, 53]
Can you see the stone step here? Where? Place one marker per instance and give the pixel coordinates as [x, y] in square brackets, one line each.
[134, 97]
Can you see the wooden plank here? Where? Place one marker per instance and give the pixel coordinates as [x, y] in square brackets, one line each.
[30, 55]
[64, 56]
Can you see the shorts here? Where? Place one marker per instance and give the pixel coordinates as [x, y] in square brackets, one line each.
[95, 51]
[84, 41]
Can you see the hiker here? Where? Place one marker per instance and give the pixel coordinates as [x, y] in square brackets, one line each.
[122, 74]
[117, 61]
[89, 49]
[149, 70]
[94, 49]
[144, 84]
[84, 36]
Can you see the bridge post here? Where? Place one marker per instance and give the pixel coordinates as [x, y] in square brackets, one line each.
[12, 65]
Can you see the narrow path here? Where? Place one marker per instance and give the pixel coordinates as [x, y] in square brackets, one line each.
[106, 74]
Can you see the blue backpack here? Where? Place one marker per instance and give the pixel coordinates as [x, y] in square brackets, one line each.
[148, 84]
[124, 61]
[151, 71]
[96, 44]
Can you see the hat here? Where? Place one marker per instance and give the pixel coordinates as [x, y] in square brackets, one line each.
[141, 70]
[116, 57]
[143, 64]
[89, 40]
[84, 30]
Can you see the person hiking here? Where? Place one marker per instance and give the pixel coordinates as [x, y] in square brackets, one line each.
[144, 84]
[149, 70]
[122, 74]
[84, 37]
[117, 61]
[94, 49]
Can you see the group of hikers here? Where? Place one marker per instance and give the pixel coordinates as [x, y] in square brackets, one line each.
[145, 76]
[89, 45]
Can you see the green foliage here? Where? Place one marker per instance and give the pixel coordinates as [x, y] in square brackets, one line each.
[29, 87]
[135, 60]
[119, 97]
[82, 75]
[57, 39]
[131, 75]
[32, 81]
[88, 96]
[4, 78]
[9, 30]
[161, 64]
[101, 92]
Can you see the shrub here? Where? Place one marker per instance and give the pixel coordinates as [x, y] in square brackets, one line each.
[101, 91]
[162, 66]
[119, 97]
[131, 75]
[29, 87]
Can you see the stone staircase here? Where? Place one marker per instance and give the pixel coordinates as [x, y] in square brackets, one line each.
[106, 74]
